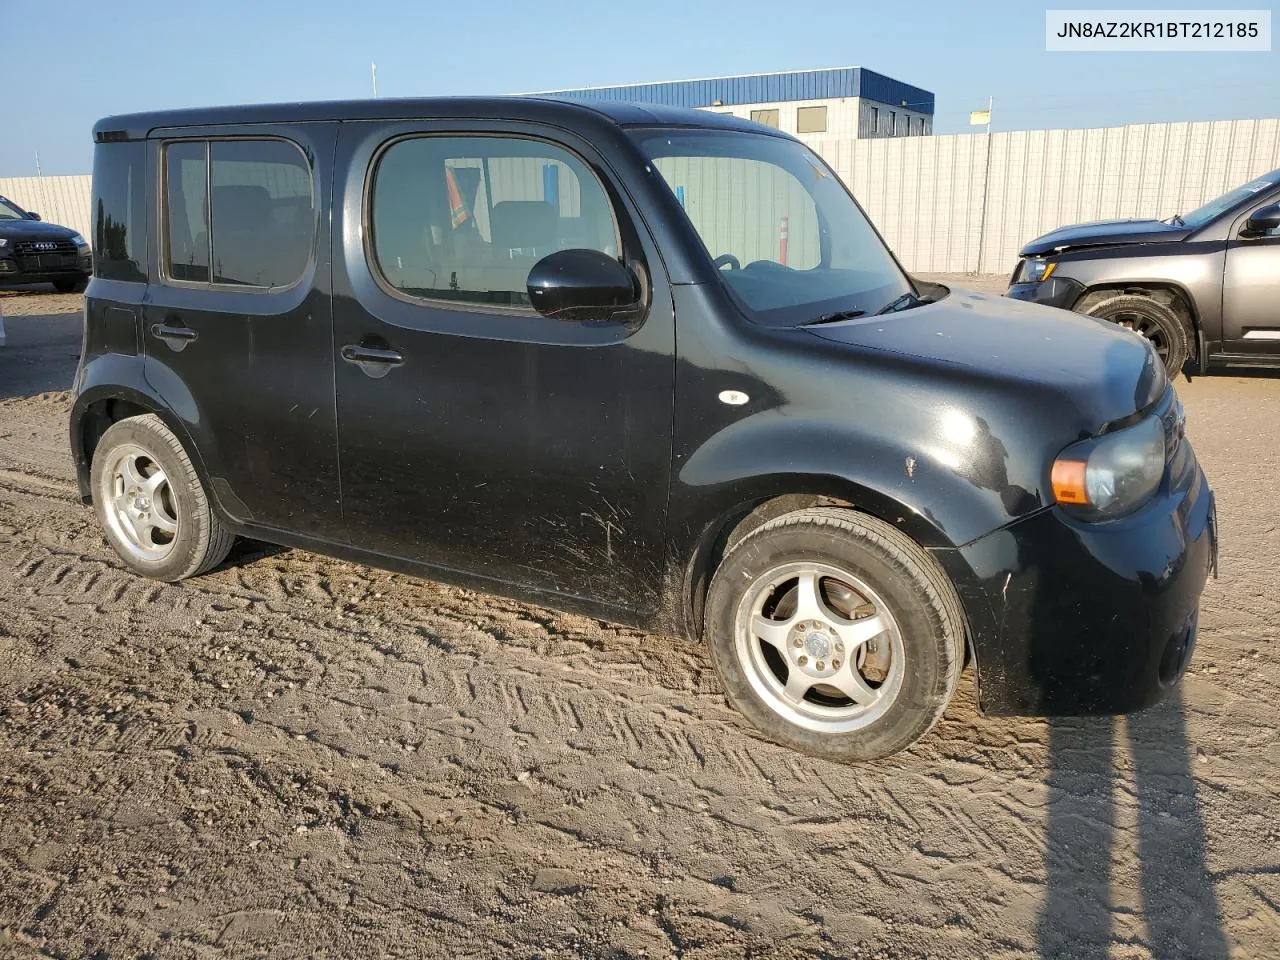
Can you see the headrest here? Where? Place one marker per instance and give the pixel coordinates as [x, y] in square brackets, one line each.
[523, 223]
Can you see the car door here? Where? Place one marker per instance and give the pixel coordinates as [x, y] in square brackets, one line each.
[476, 435]
[237, 319]
[1251, 288]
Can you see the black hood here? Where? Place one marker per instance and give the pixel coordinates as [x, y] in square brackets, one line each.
[33, 230]
[1101, 371]
[1104, 233]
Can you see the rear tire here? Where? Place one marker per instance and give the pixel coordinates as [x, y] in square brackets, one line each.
[151, 504]
[858, 673]
[1156, 322]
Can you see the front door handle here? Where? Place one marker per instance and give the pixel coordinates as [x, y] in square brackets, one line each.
[175, 336]
[373, 361]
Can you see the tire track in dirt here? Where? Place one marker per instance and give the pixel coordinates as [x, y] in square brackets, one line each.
[296, 750]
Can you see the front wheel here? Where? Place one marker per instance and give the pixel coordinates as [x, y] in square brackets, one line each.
[835, 634]
[68, 284]
[1152, 320]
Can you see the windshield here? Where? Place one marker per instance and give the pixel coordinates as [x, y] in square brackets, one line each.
[1202, 215]
[790, 243]
[8, 211]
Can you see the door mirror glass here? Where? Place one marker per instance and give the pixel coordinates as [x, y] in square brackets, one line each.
[32, 215]
[1264, 220]
[581, 284]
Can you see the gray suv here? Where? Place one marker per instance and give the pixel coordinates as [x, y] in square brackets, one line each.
[1203, 286]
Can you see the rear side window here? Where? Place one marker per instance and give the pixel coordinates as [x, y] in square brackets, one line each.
[238, 212]
[465, 218]
[120, 211]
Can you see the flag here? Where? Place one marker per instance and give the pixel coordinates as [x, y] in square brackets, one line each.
[978, 117]
[458, 211]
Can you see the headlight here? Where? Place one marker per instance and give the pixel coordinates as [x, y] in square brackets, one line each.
[78, 240]
[1114, 474]
[1033, 271]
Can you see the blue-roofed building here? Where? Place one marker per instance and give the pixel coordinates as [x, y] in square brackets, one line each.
[840, 103]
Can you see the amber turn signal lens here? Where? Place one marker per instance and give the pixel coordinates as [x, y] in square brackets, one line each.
[1068, 481]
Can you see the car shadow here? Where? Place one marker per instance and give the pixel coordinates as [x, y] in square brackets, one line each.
[40, 353]
[1084, 838]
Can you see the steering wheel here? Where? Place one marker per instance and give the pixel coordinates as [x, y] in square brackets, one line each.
[726, 260]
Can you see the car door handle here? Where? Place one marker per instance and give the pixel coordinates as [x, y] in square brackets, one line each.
[176, 336]
[373, 361]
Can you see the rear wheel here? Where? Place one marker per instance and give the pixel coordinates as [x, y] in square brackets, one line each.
[1149, 318]
[151, 504]
[835, 634]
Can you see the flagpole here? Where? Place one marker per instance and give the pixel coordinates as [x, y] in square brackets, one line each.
[986, 181]
[373, 70]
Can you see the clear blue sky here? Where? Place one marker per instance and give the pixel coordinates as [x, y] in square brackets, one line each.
[66, 64]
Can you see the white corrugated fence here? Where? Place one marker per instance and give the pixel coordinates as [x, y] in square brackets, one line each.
[926, 194]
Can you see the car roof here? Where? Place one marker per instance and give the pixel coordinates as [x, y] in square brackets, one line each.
[574, 114]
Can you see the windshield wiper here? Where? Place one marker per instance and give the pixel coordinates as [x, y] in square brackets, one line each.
[904, 302]
[1177, 219]
[834, 317]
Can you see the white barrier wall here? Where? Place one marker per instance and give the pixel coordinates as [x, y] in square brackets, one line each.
[926, 194]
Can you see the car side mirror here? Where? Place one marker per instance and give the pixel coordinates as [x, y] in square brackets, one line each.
[32, 215]
[1264, 220]
[581, 284]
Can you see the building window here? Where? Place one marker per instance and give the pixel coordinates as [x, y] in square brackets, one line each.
[464, 219]
[257, 196]
[922, 126]
[893, 123]
[811, 120]
[875, 120]
[768, 117]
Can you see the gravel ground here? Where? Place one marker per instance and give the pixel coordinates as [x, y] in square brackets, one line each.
[294, 756]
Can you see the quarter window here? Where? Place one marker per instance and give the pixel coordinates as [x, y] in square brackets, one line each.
[464, 219]
[239, 212]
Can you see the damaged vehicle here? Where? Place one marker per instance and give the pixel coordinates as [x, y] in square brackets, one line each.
[649, 365]
[1203, 287]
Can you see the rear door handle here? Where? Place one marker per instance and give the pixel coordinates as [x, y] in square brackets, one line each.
[176, 336]
[373, 361]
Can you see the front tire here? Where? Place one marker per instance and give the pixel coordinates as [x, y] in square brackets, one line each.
[68, 285]
[835, 634]
[1154, 321]
[151, 504]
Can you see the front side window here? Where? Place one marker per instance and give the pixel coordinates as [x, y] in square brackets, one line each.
[238, 212]
[464, 219]
[790, 243]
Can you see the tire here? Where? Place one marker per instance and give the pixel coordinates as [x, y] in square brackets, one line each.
[68, 285]
[1166, 330]
[151, 504]
[847, 556]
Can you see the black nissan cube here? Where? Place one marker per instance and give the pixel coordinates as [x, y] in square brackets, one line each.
[651, 365]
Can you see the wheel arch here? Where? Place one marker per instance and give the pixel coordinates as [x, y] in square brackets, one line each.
[737, 516]
[97, 409]
[1171, 293]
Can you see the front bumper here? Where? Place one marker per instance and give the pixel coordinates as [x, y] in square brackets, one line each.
[1070, 617]
[1055, 292]
[45, 269]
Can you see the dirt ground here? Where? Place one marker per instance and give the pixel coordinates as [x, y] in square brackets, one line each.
[294, 756]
